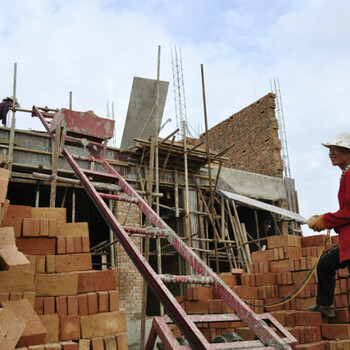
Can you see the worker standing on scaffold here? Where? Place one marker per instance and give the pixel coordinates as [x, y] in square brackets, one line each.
[337, 257]
[5, 105]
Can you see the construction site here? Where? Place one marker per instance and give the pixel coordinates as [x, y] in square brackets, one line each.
[181, 242]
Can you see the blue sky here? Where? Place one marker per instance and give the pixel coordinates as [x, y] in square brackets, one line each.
[94, 48]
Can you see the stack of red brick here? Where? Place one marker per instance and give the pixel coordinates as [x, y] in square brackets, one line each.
[51, 298]
[274, 274]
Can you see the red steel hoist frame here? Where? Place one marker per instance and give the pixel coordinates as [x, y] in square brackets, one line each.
[268, 339]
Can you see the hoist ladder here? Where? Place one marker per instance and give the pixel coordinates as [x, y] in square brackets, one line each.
[264, 326]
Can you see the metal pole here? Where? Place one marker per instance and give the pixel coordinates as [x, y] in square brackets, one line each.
[209, 169]
[111, 234]
[70, 99]
[13, 121]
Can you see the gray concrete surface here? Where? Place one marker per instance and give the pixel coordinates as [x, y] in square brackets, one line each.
[141, 121]
[253, 185]
[134, 331]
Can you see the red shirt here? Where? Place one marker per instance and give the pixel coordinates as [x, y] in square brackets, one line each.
[340, 220]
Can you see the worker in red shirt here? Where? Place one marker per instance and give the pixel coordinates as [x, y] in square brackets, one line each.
[336, 257]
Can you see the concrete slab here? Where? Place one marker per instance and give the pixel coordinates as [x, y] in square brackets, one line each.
[141, 117]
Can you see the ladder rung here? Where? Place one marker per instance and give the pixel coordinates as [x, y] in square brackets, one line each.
[89, 159]
[146, 231]
[83, 141]
[119, 198]
[186, 279]
[98, 173]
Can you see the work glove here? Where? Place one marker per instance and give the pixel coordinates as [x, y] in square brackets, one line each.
[318, 225]
[311, 221]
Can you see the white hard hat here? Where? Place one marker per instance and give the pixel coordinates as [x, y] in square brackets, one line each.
[341, 140]
[16, 101]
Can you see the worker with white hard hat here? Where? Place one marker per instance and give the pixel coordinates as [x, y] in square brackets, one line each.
[5, 105]
[337, 257]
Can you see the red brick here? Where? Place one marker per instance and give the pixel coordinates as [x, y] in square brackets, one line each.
[229, 279]
[312, 241]
[52, 227]
[292, 252]
[37, 246]
[13, 260]
[70, 245]
[51, 323]
[49, 305]
[61, 306]
[39, 305]
[113, 300]
[197, 306]
[11, 328]
[92, 303]
[85, 244]
[61, 245]
[69, 345]
[283, 241]
[18, 211]
[122, 342]
[15, 223]
[265, 279]
[199, 293]
[60, 214]
[69, 328]
[16, 281]
[103, 324]
[83, 304]
[73, 262]
[77, 245]
[110, 342]
[50, 264]
[102, 301]
[72, 302]
[4, 297]
[53, 346]
[246, 292]
[309, 318]
[16, 296]
[280, 266]
[72, 229]
[280, 316]
[31, 228]
[264, 255]
[341, 316]
[34, 332]
[7, 236]
[97, 344]
[299, 276]
[335, 331]
[343, 273]
[304, 303]
[44, 227]
[215, 306]
[93, 281]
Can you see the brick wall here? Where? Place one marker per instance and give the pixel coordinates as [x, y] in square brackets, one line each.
[254, 133]
[129, 280]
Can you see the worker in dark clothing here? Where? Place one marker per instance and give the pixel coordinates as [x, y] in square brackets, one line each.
[336, 257]
[5, 105]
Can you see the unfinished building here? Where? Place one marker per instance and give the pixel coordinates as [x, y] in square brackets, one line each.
[225, 204]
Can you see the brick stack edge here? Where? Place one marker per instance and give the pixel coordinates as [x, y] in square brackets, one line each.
[274, 273]
[65, 304]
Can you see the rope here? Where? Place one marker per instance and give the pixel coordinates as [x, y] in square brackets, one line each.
[300, 287]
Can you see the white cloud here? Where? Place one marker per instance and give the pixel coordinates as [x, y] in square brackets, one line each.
[94, 48]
